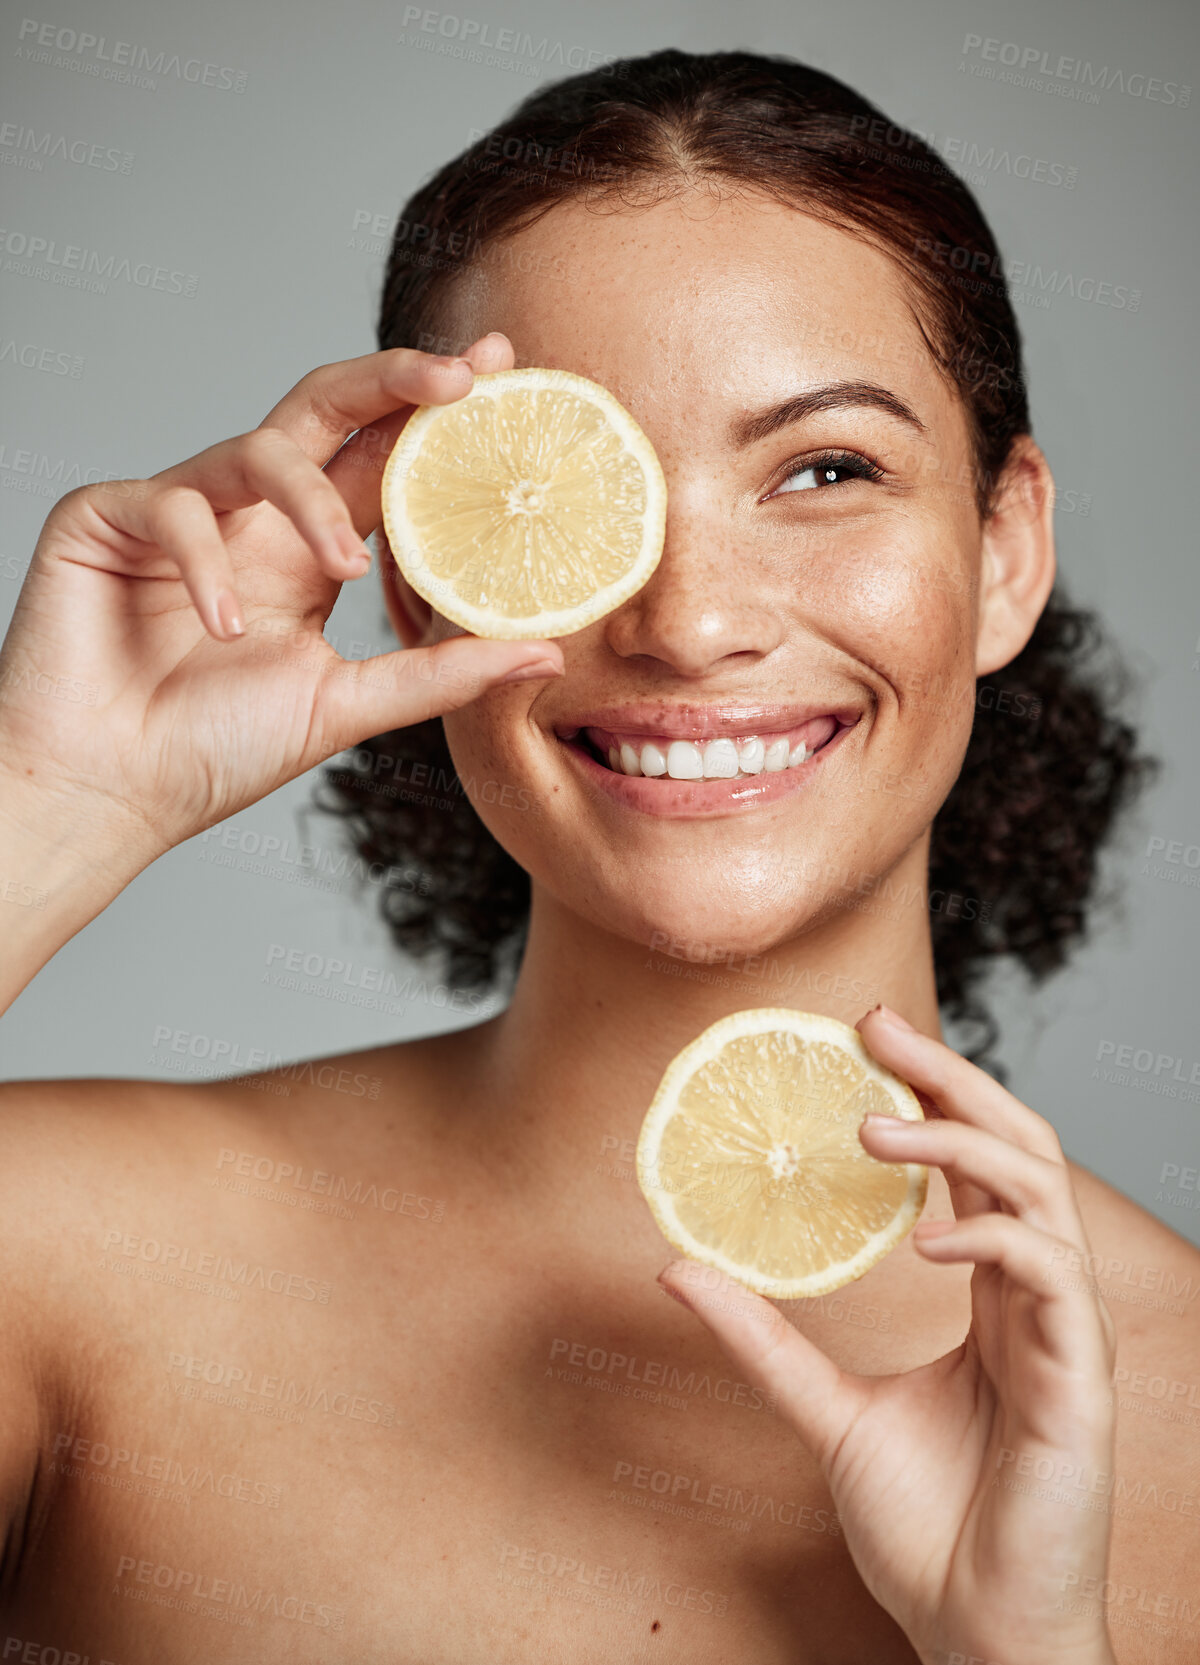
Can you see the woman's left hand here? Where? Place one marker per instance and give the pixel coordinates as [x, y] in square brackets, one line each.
[965, 1488]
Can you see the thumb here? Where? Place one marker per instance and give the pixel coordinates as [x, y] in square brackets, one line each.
[820, 1400]
[360, 698]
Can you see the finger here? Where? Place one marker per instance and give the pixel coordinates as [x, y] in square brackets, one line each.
[330, 403]
[357, 469]
[965, 1197]
[1036, 1262]
[179, 523]
[361, 698]
[817, 1398]
[266, 466]
[1034, 1188]
[959, 1088]
[490, 353]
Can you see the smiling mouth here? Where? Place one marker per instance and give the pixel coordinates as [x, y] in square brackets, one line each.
[723, 757]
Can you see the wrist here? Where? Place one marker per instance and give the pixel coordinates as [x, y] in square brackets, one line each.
[66, 830]
[64, 855]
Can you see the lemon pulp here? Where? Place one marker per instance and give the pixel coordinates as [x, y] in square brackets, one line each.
[530, 507]
[750, 1160]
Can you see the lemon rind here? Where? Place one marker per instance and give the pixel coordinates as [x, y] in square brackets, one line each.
[564, 621]
[706, 1045]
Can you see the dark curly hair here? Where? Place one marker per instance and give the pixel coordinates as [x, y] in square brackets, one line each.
[1048, 767]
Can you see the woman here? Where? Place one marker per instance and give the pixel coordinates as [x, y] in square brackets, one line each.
[463, 1423]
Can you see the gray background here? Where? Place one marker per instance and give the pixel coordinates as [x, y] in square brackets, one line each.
[260, 195]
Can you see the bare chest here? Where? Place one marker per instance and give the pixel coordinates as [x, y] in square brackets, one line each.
[376, 1485]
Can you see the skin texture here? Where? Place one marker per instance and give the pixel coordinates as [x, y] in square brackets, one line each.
[892, 594]
[879, 594]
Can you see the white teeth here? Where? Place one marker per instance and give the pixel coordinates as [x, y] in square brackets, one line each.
[720, 760]
[684, 761]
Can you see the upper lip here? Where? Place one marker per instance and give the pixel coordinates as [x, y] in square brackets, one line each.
[705, 722]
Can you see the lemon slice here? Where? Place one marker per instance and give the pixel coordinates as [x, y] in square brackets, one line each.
[750, 1159]
[530, 507]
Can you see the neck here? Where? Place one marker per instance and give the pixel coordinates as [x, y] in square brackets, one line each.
[573, 1063]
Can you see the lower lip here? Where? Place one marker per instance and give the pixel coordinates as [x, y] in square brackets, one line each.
[698, 798]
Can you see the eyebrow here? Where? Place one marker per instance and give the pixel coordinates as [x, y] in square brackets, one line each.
[748, 430]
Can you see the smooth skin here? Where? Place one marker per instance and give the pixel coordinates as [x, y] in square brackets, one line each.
[692, 312]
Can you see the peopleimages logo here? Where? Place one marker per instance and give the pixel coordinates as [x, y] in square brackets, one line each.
[217, 1055]
[691, 1493]
[476, 37]
[1147, 1071]
[27, 147]
[601, 1362]
[38, 1653]
[47, 476]
[193, 1587]
[341, 980]
[194, 1480]
[621, 1581]
[283, 1392]
[175, 1258]
[46, 359]
[97, 51]
[80, 268]
[975, 269]
[1028, 63]
[319, 1182]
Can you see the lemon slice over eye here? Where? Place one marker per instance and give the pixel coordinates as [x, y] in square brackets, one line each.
[750, 1160]
[530, 507]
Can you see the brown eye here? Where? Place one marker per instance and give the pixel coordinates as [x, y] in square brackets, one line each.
[828, 471]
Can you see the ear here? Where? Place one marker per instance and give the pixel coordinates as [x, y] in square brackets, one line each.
[1018, 564]
[410, 613]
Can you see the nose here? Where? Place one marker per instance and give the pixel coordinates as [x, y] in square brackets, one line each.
[707, 605]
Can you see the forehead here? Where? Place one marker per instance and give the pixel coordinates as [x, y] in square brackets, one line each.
[711, 291]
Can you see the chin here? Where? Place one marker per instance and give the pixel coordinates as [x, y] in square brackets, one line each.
[706, 912]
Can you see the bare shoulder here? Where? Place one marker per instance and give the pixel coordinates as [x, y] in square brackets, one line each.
[79, 1158]
[1148, 1274]
[87, 1160]
[123, 1206]
[75, 1147]
[105, 1178]
[1149, 1279]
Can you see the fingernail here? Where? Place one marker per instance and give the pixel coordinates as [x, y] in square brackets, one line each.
[886, 1124]
[668, 1288]
[893, 1018]
[526, 673]
[229, 615]
[353, 550]
[455, 364]
[934, 1228]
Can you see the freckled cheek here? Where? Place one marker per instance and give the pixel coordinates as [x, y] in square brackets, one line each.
[476, 735]
[901, 606]
[499, 759]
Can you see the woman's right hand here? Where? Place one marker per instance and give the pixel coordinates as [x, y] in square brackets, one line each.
[166, 664]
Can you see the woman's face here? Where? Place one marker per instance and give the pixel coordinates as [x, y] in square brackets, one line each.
[835, 610]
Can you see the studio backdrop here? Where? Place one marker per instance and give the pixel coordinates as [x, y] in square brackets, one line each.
[198, 205]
